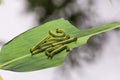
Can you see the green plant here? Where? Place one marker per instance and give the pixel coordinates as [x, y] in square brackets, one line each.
[16, 55]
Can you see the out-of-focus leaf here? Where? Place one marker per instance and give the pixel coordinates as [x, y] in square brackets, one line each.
[0, 1]
[110, 1]
[1, 78]
[15, 55]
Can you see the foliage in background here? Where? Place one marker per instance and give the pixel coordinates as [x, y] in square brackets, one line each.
[110, 1]
[52, 9]
[0, 1]
[1, 78]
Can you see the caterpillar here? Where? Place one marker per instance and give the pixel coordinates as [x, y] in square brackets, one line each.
[65, 41]
[59, 30]
[58, 50]
[53, 43]
[61, 34]
[38, 45]
[40, 50]
[49, 50]
[48, 43]
[60, 38]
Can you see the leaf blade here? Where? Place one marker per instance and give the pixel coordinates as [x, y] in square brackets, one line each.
[15, 55]
[14, 47]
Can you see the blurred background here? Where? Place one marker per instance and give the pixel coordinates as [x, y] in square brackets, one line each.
[98, 60]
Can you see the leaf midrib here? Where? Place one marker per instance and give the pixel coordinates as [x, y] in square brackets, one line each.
[14, 60]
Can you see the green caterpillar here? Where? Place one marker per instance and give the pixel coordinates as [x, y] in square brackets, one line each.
[49, 50]
[61, 33]
[54, 43]
[65, 41]
[38, 45]
[40, 50]
[59, 38]
[57, 50]
[47, 43]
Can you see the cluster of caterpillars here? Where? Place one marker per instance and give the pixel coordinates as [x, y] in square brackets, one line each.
[53, 44]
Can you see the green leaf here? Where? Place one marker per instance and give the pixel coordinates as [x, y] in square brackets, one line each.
[15, 55]
[0, 1]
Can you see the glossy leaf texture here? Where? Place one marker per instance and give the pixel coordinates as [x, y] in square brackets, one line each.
[15, 55]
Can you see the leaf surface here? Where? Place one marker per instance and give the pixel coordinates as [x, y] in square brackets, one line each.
[15, 55]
